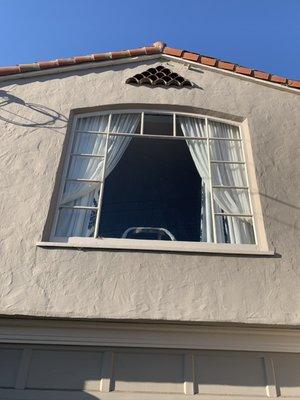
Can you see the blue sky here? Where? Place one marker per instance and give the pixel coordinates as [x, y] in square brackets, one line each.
[263, 34]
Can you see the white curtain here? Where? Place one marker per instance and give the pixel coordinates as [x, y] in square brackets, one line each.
[232, 229]
[195, 127]
[236, 201]
[81, 222]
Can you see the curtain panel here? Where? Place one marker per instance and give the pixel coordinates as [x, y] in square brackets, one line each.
[74, 222]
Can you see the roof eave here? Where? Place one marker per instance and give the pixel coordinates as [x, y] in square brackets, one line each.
[141, 58]
[78, 67]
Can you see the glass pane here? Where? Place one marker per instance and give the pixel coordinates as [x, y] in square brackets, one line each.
[85, 168]
[153, 192]
[228, 174]
[234, 230]
[75, 223]
[97, 123]
[125, 123]
[226, 150]
[231, 201]
[221, 130]
[158, 124]
[190, 126]
[88, 143]
[80, 194]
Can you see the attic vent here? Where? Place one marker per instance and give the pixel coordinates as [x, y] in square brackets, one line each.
[159, 76]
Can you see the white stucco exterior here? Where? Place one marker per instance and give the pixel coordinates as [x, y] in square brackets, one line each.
[140, 285]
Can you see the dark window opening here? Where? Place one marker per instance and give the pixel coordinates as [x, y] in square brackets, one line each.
[158, 124]
[153, 193]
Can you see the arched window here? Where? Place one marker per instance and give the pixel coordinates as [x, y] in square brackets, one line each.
[155, 175]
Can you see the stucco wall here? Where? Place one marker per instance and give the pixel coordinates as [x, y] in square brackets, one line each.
[144, 285]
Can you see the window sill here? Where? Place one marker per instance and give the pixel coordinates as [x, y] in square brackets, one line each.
[157, 245]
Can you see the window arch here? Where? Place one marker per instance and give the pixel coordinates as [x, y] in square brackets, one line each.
[114, 151]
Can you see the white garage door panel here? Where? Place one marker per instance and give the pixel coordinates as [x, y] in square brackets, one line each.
[73, 370]
[234, 374]
[9, 365]
[287, 368]
[40, 372]
[149, 372]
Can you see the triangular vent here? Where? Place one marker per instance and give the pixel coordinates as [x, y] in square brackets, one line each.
[159, 76]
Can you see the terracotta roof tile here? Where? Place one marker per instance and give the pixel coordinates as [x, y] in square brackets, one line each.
[190, 56]
[294, 84]
[261, 75]
[243, 70]
[155, 48]
[278, 79]
[10, 70]
[83, 59]
[63, 62]
[101, 56]
[226, 65]
[208, 61]
[47, 64]
[173, 52]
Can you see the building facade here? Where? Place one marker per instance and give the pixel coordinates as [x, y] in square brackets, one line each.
[149, 229]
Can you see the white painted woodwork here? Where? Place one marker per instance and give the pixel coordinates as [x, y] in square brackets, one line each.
[77, 372]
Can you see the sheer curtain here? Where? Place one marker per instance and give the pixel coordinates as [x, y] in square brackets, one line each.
[231, 229]
[195, 127]
[236, 201]
[75, 222]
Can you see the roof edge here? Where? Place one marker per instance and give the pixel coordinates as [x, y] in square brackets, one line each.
[12, 72]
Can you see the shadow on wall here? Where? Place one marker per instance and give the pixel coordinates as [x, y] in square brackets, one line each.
[40, 115]
[285, 206]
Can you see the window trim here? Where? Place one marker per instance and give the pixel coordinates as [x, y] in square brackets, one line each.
[259, 247]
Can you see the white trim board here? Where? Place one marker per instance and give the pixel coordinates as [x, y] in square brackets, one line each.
[151, 335]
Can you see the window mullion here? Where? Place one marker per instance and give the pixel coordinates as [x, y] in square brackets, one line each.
[210, 183]
[96, 231]
[142, 123]
[174, 124]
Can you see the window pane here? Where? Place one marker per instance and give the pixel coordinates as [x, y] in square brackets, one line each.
[125, 123]
[81, 194]
[154, 188]
[226, 150]
[221, 130]
[228, 174]
[97, 123]
[234, 230]
[87, 143]
[75, 222]
[157, 124]
[85, 168]
[231, 201]
[190, 126]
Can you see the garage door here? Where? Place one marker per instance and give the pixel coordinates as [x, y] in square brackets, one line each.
[71, 372]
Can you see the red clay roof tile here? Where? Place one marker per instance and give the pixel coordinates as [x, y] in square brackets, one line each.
[261, 75]
[47, 64]
[172, 52]
[294, 84]
[101, 56]
[10, 70]
[190, 56]
[208, 61]
[243, 70]
[156, 48]
[226, 65]
[278, 79]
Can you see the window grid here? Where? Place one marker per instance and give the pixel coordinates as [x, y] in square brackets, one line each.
[208, 139]
[101, 189]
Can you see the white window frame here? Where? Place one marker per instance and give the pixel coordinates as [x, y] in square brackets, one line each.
[260, 246]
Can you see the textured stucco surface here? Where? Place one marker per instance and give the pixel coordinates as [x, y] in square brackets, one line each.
[144, 285]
